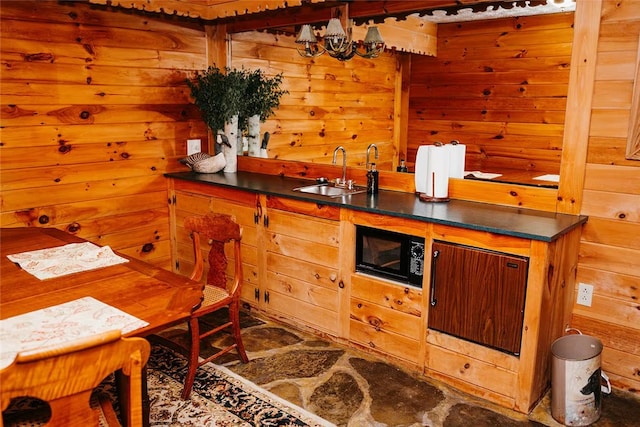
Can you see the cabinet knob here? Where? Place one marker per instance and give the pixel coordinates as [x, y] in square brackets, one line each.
[341, 284]
[333, 277]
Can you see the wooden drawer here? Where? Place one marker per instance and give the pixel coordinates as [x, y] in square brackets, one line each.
[385, 319]
[384, 341]
[471, 371]
[302, 291]
[402, 298]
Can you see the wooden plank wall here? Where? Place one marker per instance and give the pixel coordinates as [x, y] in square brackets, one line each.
[498, 86]
[330, 103]
[610, 245]
[94, 111]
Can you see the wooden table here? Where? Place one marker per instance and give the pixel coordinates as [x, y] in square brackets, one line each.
[157, 296]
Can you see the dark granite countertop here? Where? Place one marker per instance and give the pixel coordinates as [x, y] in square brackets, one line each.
[511, 221]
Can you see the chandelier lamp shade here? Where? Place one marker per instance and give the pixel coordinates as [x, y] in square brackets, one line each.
[338, 43]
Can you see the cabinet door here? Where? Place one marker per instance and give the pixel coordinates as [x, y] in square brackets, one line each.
[245, 210]
[302, 268]
[478, 295]
[242, 206]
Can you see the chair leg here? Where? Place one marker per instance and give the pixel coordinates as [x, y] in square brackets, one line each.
[194, 328]
[234, 314]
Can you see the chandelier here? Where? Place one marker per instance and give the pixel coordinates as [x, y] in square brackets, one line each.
[338, 43]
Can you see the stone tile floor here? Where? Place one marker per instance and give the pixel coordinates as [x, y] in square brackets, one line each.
[354, 389]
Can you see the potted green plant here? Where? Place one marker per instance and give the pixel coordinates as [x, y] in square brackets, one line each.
[219, 94]
[262, 96]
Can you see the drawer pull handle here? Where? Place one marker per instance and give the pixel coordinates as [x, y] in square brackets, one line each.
[432, 292]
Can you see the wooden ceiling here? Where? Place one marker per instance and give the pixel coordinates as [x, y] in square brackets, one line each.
[301, 11]
[399, 21]
[205, 9]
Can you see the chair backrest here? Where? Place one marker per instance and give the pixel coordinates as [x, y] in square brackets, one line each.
[217, 229]
[65, 376]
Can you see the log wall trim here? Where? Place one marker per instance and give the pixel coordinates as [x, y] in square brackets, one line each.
[576, 129]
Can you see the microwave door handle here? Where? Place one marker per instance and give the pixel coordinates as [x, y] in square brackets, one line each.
[432, 289]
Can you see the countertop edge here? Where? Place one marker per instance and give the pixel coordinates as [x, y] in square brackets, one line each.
[405, 205]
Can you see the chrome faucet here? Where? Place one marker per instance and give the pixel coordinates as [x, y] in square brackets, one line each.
[368, 150]
[344, 163]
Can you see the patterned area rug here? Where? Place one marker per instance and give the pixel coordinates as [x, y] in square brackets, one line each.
[219, 397]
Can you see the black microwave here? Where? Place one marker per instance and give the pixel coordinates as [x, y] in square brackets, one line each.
[390, 255]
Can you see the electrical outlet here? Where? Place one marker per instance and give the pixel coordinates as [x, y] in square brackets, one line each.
[585, 294]
[193, 146]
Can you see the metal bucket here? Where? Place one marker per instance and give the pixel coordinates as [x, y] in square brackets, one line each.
[576, 393]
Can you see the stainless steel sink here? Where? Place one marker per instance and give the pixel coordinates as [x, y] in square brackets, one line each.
[330, 190]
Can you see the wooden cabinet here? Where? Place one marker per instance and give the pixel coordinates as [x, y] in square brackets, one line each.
[290, 251]
[501, 300]
[516, 380]
[187, 198]
[303, 277]
[478, 295]
[386, 317]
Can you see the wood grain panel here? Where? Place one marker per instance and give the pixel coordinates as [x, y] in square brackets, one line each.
[316, 210]
[612, 232]
[330, 103]
[618, 337]
[484, 240]
[611, 205]
[300, 290]
[311, 230]
[396, 297]
[20, 200]
[611, 284]
[610, 123]
[95, 111]
[312, 315]
[78, 212]
[381, 340]
[611, 310]
[609, 258]
[316, 274]
[471, 370]
[612, 94]
[480, 352]
[609, 151]
[389, 320]
[493, 88]
[619, 179]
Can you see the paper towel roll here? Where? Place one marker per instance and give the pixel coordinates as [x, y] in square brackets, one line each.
[437, 171]
[457, 154]
[421, 167]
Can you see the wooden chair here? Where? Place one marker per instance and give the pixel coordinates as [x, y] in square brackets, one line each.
[217, 229]
[64, 376]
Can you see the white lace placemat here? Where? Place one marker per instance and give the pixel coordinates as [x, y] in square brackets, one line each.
[67, 259]
[59, 324]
